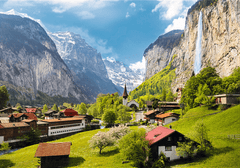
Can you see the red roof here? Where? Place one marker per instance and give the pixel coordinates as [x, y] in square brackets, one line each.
[166, 115]
[70, 112]
[53, 149]
[31, 110]
[31, 116]
[157, 134]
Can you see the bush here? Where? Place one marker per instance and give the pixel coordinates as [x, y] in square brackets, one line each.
[160, 162]
[5, 146]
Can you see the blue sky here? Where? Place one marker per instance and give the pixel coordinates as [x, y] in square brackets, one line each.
[121, 29]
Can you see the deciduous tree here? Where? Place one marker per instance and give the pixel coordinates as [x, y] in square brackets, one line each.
[4, 96]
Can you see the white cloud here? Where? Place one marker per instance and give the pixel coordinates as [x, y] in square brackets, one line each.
[171, 8]
[133, 5]
[86, 15]
[176, 24]
[140, 65]
[127, 15]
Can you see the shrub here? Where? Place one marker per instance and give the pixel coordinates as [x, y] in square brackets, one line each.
[95, 121]
[5, 146]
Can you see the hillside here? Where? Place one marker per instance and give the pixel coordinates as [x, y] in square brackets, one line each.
[156, 84]
[220, 125]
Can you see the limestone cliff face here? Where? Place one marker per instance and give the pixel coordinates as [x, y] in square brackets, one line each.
[29, 59]
[159, 53]
[220, 40]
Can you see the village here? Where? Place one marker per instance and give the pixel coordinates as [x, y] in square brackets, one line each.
[55, 124]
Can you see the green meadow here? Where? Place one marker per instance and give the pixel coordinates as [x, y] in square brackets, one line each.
[226, 151]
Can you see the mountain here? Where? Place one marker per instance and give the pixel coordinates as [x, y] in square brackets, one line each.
[85, 63]
[30, 65]
[220, 42]
[120, 73]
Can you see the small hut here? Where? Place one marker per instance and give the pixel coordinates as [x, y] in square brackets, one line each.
[53, 155]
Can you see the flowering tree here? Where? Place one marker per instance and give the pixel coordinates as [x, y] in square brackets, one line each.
[101, 140]
[118, 132]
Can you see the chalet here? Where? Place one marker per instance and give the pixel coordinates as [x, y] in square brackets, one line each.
[59, 115]
[11, 131]
[167, 118]
[18, 117]
[179, 94]
[151, 115]
[149, 105]
[53, 155]
[64, 125]
[50, 114]
[70, 112]
[7, 110]
[88, 118]
[162, 139]
[139, 116]
[227, 99]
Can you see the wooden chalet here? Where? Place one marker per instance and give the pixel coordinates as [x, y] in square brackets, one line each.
[162, 139]
[151, 115]
[50, 114]
[88, 118]
[53, 155]
[11, 131]
[167, 118]
[18, 117]
[7, 110]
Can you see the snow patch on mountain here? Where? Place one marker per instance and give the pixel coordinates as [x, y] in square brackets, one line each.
[120, 73]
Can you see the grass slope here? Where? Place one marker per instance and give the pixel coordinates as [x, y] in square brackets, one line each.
[80, 156]
[220, 125]
[156, 84]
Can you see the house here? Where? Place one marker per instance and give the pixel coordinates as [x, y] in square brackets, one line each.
[88, 118]
[167, 118]
[59, 115]
[18, 117]
[227, 99]
[139, 116]
[7, 110]
[64, 125]
[151, 115]
[162, 139]
[11, 131]
[70, 112]
[53, 155]
[50, 114]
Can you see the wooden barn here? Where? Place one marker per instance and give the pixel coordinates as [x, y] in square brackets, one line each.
[53, 155]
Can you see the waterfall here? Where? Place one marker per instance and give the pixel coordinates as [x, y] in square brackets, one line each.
[198, 57]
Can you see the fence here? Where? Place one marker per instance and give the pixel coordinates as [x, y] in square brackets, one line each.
[236, 136]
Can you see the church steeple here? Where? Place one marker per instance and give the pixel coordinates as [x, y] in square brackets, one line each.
[125, 95]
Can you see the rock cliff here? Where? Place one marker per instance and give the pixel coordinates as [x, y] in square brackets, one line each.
[86, 64]
[220, 41]
[29, 59]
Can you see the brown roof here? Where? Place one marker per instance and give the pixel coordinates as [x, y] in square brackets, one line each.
[165, 115]
[53, 149]
[27, 120]
[151, 112]
[14, 124]
[63, 119]
[29, 115]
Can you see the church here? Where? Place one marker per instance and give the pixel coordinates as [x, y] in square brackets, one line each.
[130, 104]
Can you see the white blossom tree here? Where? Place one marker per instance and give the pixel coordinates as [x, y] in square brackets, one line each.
[118, 132]
[101, 140]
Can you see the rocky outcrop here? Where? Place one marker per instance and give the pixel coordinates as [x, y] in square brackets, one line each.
[158, 54]
[29, 59]
[86, 64]
[220, 40]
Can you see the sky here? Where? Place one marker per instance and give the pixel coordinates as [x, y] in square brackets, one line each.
[119, 29]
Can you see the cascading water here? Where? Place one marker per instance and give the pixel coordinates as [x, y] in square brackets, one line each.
[198, 57]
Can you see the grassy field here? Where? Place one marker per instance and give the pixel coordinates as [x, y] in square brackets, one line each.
[226, 151]
[81, 155]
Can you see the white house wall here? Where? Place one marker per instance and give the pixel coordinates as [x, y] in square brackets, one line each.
[67, 128]
[171, 154]
[1, 139]
[169, 120]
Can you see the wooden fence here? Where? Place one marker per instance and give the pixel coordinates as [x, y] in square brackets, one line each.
[236, 136]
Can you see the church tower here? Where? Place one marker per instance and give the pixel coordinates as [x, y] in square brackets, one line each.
[125, 96]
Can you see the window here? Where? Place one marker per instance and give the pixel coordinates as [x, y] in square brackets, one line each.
[169, 139]
[168, 148]
[173, 119]
[180, 138]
